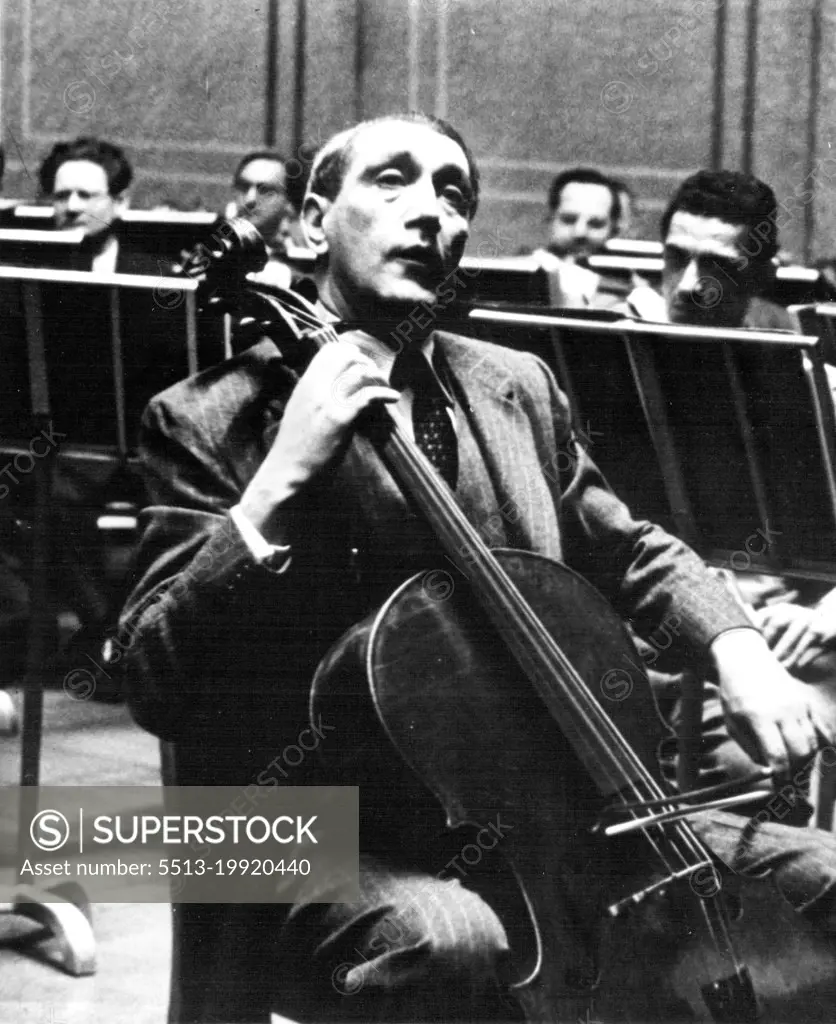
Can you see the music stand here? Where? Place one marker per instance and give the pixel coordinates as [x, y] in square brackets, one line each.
[35, 248]
[765, 395]
[518, 281]
[64, 909]
[166, 234]
[598, 380]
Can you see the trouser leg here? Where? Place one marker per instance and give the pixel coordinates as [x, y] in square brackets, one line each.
[413, 948]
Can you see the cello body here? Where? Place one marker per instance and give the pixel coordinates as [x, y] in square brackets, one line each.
[424, 683]
[426, 676]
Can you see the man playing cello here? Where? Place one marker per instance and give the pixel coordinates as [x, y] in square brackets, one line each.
[274, 527]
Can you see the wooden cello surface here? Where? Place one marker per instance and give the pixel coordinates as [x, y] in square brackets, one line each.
[425, 677]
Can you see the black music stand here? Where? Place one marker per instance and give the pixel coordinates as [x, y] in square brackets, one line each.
[516, 281]
[24, 247]
[166, 234]
[124, 307]
[598, 379]
[63, 910]
[736, 417]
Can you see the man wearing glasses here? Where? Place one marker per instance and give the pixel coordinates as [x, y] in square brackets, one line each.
[260, 187]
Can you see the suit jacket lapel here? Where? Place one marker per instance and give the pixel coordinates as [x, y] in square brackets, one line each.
[502, 423]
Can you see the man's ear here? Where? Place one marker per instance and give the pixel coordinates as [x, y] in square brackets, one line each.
[122, 202]
[314, 210]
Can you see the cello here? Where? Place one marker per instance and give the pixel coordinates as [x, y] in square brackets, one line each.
[521, 640]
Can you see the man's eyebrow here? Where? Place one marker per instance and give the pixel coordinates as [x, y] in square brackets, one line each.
[402, 158]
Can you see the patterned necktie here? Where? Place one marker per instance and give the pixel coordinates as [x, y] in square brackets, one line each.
[431, 422]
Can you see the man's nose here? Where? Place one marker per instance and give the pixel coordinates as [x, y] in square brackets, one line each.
[251, 197]
[75, 204]
[690, 280]
[425, 205]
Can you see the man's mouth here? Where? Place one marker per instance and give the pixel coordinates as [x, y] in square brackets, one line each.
[422, 255]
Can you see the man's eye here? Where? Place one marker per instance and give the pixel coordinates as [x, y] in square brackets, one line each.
[718, 266]
[568, 219]
[455, 197]
[390, 179]
[267, 191]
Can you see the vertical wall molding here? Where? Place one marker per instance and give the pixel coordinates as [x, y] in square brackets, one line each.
[301, 37]
[816, 30]
[413, 11]
[359, 60]
[271, 74]
[442, 58]
[718, 106]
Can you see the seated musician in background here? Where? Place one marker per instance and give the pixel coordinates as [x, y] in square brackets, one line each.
[585, 211]
[260, 188]
[273, 528]
[720, 237]
[88, 181]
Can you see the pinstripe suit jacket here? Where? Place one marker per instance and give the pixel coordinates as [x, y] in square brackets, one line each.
[221, 652]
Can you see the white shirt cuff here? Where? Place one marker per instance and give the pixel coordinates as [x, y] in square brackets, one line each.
[260, 549]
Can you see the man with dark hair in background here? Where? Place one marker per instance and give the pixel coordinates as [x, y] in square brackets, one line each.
[88, 181]
[720, 237]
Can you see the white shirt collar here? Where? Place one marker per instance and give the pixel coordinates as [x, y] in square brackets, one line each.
[104, 262]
